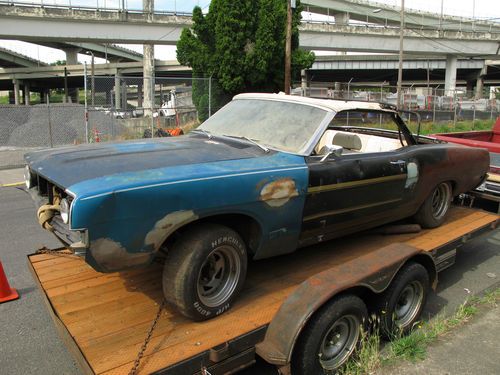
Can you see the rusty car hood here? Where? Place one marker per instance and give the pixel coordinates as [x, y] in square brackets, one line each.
[67, 166]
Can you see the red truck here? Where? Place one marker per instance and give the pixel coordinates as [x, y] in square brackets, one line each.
[489, 140]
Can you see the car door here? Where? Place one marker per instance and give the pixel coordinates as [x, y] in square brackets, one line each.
[353, 192]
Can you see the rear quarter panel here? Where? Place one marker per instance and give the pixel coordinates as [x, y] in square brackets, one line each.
[464, 167]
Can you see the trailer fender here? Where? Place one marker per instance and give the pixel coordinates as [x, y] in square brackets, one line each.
[374, 271]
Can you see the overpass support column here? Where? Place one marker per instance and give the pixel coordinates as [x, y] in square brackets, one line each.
[450, 80]
[139, 95]
[148, 64]
[72, 59]
[26, 93]
[118, 91]
[480, 83]
[17, 92]
[342, 18]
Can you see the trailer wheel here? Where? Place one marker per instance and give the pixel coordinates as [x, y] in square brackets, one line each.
[330, 337]
[434, 209]
[403, 302]
[204, 271]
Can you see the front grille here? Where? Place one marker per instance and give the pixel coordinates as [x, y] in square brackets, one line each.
[62, 231]
[45, 189]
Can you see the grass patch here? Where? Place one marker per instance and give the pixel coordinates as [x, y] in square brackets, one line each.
[367, 359]
[413, 347]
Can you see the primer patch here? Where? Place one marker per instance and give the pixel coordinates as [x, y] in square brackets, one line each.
[112, 256]
[411, 174]
[168, 225]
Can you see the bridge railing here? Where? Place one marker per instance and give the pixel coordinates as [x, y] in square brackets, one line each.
[170, 7]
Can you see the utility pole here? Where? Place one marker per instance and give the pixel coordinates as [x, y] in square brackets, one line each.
[288, 47]
[400, 68]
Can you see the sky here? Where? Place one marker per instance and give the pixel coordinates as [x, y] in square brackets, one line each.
[481, 9]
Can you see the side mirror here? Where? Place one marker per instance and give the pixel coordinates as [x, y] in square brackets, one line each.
[328, 150]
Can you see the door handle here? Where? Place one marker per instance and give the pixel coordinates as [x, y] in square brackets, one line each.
[398, 162]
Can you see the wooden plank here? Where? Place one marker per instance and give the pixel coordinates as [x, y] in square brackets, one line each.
[107, 316]
[61, 329]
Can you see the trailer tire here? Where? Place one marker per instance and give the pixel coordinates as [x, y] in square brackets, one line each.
[330, 336]
[204, 271]
[403, 301]
[432, 212]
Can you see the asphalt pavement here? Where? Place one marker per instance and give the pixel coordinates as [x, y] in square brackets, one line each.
[29, 343]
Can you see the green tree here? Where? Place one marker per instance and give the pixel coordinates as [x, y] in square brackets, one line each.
[241, 45]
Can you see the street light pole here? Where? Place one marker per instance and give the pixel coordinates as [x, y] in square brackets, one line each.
[400, 68]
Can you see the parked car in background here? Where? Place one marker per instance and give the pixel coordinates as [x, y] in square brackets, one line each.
[264, 176]
[489, 140]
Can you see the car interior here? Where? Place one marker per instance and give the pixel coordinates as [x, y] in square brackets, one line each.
[362, 142]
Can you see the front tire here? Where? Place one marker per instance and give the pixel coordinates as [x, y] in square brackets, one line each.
[433, 211]
[204, 271]
[330, 336]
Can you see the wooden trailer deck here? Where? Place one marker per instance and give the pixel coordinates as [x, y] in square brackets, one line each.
[104, 318]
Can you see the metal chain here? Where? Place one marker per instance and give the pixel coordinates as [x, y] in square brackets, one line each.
[58, 253]
[133, 370]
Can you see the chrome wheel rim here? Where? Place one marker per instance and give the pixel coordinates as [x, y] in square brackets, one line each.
[339, 342]
[441, 200]
[219, 276]
[408, 304]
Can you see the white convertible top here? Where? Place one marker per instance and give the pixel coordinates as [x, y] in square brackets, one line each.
[327, 104]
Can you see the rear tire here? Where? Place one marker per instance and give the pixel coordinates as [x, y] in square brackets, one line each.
[433, 211]
[403, 302]
[204, 271]
[330, 336]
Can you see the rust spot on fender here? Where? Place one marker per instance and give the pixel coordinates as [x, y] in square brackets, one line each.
[278, 192]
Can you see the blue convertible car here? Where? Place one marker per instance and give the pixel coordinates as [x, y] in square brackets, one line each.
[265, 175]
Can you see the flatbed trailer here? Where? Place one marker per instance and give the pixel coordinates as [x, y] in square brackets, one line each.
[104, 318]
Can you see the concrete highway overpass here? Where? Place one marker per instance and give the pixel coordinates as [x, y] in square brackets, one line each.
[41, 24]
[417, 70]
[387, 15]
[11, 59]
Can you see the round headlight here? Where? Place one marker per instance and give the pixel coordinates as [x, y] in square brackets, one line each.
[64, 209]
[27, 177]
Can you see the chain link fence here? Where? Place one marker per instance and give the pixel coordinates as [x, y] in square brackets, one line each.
[105, 109]
[140, 107]
[441, 110]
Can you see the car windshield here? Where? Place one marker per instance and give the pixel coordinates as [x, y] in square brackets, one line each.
[281, 125]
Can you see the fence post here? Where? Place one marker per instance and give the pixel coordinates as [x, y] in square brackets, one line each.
[152, 85]
[86, 110]
[454, 105]
[474, 113]
[50, 122]
[434, 106]
[210, 96]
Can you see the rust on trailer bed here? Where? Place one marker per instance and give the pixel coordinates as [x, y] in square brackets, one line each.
[104, 318]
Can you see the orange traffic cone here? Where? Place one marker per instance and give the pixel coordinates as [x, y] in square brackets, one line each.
[6, 292]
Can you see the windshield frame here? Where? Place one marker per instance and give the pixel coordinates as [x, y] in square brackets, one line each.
[308, 147]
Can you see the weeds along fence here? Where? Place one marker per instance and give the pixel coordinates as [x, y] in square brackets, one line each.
[104, 109]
